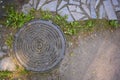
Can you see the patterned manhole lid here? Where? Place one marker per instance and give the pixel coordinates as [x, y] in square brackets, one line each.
[39, 45]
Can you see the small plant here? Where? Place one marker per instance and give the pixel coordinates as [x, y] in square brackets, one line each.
[90, 23]
[114, 23]
[9, 40]
[46, 15]
[17, 19]
[5, 74]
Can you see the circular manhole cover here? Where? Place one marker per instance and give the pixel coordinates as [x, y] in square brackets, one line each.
[39, 45]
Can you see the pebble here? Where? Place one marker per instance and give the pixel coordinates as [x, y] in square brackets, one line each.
[7, 64]
[2, 54]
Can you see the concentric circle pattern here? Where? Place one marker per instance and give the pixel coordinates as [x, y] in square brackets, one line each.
[39, 45]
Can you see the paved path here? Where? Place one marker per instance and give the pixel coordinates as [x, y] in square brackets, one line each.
[96, 57]
[78, 9]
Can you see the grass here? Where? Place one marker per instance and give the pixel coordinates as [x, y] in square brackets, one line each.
[7, 75]
[4, 75]
[9, 40]
[17, 19]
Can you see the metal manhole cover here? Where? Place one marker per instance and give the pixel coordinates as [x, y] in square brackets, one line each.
[39, 45]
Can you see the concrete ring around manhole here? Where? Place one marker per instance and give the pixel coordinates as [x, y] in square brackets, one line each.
[39, 45]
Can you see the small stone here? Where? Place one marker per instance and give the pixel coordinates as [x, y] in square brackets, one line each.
[3, 6]
[77, 16]
[61, 4]
[64, 11]
[72, 7]
[7, 64]
[109, 10]
[50, 6]
[1, 26]
[86, 9]
[40, 4]
[26, 8]
[5, 47]
[1, 1]
[2, 54]
[74, 2]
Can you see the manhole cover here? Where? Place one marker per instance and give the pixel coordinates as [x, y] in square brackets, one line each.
[39, 45]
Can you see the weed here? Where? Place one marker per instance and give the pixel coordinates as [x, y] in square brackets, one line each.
[68, 28]
[114, 23]
[5, 74]
[17, 19]
[46, 15]
[9, 40]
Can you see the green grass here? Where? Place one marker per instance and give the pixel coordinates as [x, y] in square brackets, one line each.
[17, 19]
[7, 75]
[114, 23]
[4, 75]
[9, 40]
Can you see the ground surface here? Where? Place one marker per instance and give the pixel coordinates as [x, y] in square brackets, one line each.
[94, 57]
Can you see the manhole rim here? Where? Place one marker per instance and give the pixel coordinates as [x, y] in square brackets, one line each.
[48, 22]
